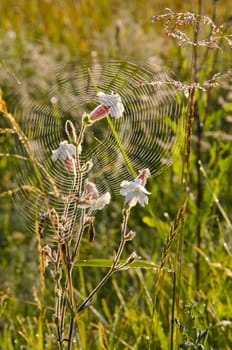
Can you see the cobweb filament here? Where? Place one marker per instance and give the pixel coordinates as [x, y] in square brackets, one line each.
[148, 131]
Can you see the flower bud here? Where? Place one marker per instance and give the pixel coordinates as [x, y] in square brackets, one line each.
[99, 112]
[89, 220]
[131, 235]
[70, 131]
[86, 119]
[143, 176]
[91, 232]
[132, 258]
[91, 191]
[87, 166]
[47, 257]
[69, 164]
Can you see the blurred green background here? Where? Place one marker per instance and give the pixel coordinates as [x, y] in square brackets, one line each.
[35, 36]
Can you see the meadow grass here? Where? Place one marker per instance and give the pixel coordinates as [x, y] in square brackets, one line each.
[187, 302]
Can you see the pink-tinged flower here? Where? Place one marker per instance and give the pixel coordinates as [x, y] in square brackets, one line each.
[66, 153]
[69, 164]
[92, 199]
[135, 191]
[113, 101]
[110, 104]
[99, 112]
[91, 191]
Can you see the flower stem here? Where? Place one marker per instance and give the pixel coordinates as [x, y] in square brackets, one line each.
[114, 264]
[119, 143]
[79, 236]
[71, 327]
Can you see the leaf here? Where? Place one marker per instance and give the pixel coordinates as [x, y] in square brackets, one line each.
[108, 263]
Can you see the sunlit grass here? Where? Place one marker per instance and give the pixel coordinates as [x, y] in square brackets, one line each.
[132, 311]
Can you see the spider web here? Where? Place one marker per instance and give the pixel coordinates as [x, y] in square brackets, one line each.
[150, 130]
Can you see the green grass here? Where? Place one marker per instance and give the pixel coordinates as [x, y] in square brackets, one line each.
[137, 307]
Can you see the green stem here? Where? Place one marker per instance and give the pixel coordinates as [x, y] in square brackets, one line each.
[118, 141]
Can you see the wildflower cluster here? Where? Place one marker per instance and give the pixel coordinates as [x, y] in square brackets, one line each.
[83, 202]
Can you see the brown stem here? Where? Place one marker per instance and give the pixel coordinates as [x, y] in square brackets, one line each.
[198, 149]
[70, 336]
[192, 105]
[173, 311]
[67, 257]
[114, 264]
[79, 236]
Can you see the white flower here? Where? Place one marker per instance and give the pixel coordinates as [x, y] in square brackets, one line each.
[113, 101]
[63, 151]
[92, 199]
[134, 191]
[66, 152]
[100, 203]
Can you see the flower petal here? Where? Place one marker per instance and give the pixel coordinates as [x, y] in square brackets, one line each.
[71, 149]
[102, 201]
[64, 150]
[113, 101]
[134, 191]
[55, 154]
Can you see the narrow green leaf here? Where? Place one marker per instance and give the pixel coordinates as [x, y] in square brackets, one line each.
[108, 263]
